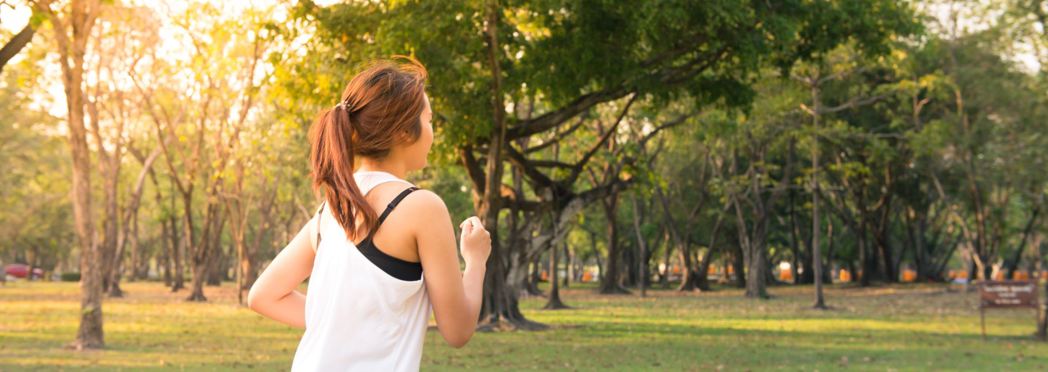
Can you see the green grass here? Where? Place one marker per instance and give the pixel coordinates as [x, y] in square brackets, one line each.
[905, 327]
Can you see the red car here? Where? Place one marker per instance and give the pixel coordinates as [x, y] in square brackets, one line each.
[22, 270]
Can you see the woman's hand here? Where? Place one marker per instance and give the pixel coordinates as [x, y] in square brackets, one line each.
[475, 241]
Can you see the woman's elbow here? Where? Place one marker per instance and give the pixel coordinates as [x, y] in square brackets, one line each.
[457, 343]
[253, 299]
[459, 340]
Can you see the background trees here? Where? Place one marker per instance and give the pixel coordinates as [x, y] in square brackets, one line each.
[630, 140]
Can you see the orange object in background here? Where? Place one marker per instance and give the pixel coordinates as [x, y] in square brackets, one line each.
[909, 276]
[712, 270]
[844, 276]
[1021, 275]
[1044, 274]
[999, 275]
[785, 275]
[545, 275]
[958, 274]
[676, 269]
[731, 270]
[587, 277]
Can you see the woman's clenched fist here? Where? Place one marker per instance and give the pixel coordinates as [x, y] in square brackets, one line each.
[475, 241]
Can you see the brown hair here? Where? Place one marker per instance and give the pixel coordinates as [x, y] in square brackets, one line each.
[380, 107]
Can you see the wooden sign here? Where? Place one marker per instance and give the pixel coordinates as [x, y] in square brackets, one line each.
[1009, 293]
[1006, 294]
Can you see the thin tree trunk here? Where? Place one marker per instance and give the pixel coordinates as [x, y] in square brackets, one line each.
[1013, 264]
[569, 265]
[554, 302]
[816, 256]
[738, 264]
[609, 284]
[643, 245]
[72, 48]
[179, 244]
[196, 248]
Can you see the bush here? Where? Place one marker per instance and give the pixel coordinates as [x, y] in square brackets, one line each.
[70, 277]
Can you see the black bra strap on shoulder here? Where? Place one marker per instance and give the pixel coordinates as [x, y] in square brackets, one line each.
[319, 216]
[389, 208]
[393, 204]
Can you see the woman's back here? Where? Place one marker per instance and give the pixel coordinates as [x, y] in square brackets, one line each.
[365, 309]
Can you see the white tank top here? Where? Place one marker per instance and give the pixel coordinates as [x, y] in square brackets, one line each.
[359, 317]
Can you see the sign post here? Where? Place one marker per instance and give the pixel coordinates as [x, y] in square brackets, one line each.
[1006, 294]
[1042, 318]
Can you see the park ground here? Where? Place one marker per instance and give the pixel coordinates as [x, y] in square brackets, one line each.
[897, 327]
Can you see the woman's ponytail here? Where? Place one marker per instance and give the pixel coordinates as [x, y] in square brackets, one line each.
[331, 156]
[379, 108]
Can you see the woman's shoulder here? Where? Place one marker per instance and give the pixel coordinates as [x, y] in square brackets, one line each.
[425, 204]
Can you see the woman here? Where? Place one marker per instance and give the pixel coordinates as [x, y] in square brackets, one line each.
[379, 252]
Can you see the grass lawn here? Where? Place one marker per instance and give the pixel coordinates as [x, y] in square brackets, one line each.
[901, 327]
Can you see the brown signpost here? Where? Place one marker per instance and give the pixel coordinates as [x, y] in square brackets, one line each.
[1042, 318]
[1006, 294]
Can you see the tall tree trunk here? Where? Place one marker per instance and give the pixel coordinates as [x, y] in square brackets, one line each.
[738, 264]
[110, 222]
[554, 302]
[531, 286]
[1042, 319]
[129, 226]
[643, 245]
[136, 254]
[218, 267]
[500, 308]
[71, 34]
[816, 256]
[702, 274]
[866, 255]
[178, 242]
[165, 255]
[609, 284]
[753, 252]
[195, 247]
[756, 268]
[887, 261]
[798, 245]
[569, 265]
[827, 276]
[1012, 264]
[629, 263]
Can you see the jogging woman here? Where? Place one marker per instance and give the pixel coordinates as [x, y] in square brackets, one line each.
[379, 252]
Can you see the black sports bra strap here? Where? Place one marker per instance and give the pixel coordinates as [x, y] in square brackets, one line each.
[319, 215]
[389, 208]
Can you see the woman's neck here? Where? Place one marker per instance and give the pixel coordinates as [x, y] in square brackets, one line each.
[369, 165]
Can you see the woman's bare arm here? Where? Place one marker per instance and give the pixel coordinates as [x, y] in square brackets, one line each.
[273, 294]
[455, 296]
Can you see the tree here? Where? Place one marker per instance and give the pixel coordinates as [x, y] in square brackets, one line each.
[72, 29]
[124, 35]
[759, 153]
[227, 74]
[566, 57]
